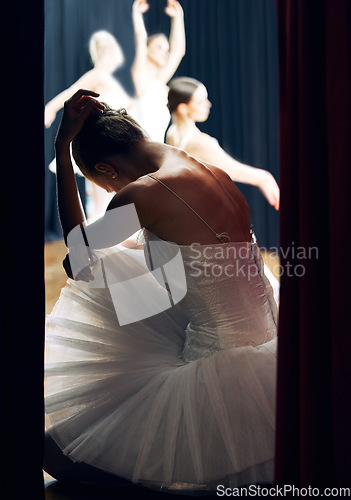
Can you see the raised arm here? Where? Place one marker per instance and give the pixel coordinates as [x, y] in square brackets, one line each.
[76, 110]
[206, 149]
[105, 232]
[57, 103]
[177, 43]
[138, 69]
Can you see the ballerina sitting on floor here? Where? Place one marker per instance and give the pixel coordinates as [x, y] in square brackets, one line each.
[160, 362]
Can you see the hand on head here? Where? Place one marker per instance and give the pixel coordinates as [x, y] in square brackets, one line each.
[76, 110]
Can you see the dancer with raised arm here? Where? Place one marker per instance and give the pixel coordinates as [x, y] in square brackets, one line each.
[179, 398]
[107, 56]
[188, 103]
[156, 60]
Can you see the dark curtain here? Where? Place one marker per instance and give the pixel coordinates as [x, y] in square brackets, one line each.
[231, 48]
[314, 376]
[22, 271]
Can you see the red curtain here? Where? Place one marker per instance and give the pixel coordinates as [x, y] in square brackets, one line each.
[313, 445]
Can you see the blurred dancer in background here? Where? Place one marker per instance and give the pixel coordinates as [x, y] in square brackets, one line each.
[188, 103]
[107, 56]
[156, 60]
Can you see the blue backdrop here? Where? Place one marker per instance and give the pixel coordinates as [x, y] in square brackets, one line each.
[231, 48]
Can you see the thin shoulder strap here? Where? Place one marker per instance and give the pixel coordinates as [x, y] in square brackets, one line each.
[219, 236]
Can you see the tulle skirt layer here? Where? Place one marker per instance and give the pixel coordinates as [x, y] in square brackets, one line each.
[120, 398]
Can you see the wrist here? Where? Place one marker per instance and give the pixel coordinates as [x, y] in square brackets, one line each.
[179, 16]
[61, 144]
[260, 177]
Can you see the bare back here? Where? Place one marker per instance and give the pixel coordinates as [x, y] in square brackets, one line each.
[192, 202]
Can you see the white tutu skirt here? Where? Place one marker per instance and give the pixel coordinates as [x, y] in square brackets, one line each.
[122, 399]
